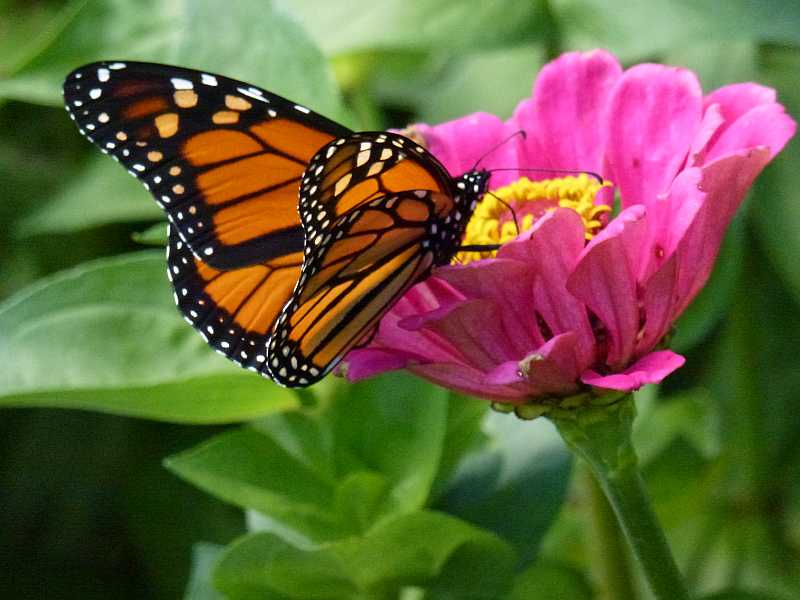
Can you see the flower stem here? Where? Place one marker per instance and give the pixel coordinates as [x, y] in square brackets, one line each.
[609, 557]
[601, 435]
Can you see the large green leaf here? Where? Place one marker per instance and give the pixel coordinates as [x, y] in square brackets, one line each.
[394, 424]
[251, 469]
[246, 39]
[523, 465]
[374, 451]
[106, 336]
[421, 549]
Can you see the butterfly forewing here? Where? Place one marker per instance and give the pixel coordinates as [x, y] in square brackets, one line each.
[234, 310]
[223, 158]
[355, 170]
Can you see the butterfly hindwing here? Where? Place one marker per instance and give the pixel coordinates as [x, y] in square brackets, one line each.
[223, 158]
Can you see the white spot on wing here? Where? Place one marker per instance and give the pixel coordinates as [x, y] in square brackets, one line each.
[181, 84]
[252, 92]
[208, 79]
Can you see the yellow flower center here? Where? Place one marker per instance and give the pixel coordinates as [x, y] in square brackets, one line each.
[493, 222]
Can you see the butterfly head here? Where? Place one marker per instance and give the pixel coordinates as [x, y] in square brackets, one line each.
[468, 191]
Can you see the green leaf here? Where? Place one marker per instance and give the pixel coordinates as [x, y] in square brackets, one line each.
[200, 586]
[250, 469]
[463, 434]
[688, 414]
[98, 195]
[524, 464]
[424, 24]
[423, 549]
[195, 34]
[373, 452]
[24, 32]
[155, 235]
[394, 424]
[106, 336]
[550, 581]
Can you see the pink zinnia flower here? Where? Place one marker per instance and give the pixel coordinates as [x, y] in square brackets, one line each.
[579, 300]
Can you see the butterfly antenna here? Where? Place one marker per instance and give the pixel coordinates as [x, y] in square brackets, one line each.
[519, 132]
[508, 206]
[489, 247]
[555, 171]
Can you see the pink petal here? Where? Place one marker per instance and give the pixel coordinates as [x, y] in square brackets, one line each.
[652, 368]
[552, 369]
[417, 346]
[661, 292]
[725, 183]
[368, 362]
[505, 373]
[550, 250]
[569, 100]
[461, 143]
[765, 125]
[653, 116]
[685, 229]
[711, 123]
[668, 218]
[489, 279]
[737, 99]
[605, 280]
[476, 330]
[469, 380]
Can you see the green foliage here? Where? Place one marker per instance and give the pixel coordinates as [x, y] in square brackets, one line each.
[421, 549]
[318, 475]
[391, 488]
[84, 328]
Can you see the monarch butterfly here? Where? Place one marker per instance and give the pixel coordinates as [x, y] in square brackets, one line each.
[290, 236]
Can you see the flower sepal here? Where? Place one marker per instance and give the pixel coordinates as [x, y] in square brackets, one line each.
[582, 405]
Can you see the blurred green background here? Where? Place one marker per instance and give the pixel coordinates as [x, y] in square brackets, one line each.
[87, 510]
